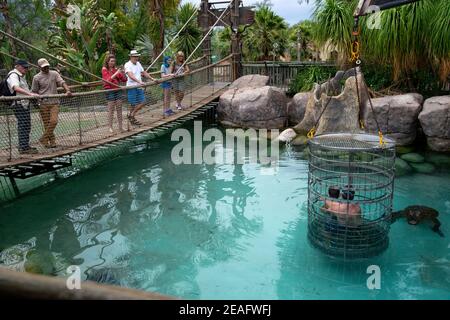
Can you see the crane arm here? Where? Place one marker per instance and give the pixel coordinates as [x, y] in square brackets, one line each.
[363, 6]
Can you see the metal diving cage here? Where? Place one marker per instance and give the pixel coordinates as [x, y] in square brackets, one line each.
[350, 194]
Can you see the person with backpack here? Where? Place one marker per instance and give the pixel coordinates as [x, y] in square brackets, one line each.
[16, 85]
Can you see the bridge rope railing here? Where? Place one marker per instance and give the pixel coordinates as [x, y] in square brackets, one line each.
[97, 85]
[57, 124]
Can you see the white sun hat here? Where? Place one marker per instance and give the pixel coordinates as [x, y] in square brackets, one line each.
[134, 53]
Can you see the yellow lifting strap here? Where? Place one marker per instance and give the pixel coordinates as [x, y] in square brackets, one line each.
[361, 124]
[355, 51]
[311, 133]
[380, 135]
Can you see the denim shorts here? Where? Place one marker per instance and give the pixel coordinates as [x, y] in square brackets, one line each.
[114, 95]
[136, 96]
[166, 85]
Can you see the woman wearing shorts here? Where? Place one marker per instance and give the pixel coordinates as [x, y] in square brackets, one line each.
[178, 69]
[113, 77]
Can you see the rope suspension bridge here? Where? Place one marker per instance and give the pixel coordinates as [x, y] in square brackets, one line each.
[82, 133]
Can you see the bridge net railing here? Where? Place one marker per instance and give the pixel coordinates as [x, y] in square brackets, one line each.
[83, 118]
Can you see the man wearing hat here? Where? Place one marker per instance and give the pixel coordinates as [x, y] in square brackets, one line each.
[18, 84]
[136, 96]
[47, 82]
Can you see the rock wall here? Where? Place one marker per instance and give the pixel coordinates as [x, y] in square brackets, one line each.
[396, 116]
[259, 108]
[435, 121]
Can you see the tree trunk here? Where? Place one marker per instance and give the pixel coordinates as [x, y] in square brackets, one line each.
[160, 44]
[109, 42]
[8, 25]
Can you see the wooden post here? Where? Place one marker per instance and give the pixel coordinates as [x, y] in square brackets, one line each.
[205, 25]
[236, 40]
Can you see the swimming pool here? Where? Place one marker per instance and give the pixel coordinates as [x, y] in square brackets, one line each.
[216, 231]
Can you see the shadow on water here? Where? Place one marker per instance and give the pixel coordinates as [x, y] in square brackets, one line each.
[139, 221]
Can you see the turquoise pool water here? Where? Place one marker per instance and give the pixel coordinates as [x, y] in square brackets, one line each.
[216, 232]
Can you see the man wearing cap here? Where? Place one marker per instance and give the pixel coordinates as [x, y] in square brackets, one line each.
[47, 82]
[136, 96]
[18, 84]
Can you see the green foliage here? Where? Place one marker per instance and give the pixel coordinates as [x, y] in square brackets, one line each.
[191, 35]
[411, 37]
[221, 43]
[334, 21]
[267, 37]
[145, 46]
[305, 30]
[307, 77]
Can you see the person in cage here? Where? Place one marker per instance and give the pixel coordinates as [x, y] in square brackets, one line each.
[136, 96]
[166, 86]
[113, 76]
[178, 69]
[332, 206]
[346, 213]
[351, 211]
[17, 84]
[46, 82]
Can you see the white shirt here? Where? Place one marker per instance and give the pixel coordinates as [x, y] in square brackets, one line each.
[17, 79]
[136, 69]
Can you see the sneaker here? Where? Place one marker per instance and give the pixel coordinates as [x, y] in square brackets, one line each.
[179, 107]
[169, 113]
[28, 150]
[51, 145]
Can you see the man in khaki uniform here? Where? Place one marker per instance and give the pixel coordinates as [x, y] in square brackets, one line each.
[47, 82]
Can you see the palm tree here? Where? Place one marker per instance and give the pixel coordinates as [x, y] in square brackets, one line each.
[157, 11]
[267, 37]
[191, 35]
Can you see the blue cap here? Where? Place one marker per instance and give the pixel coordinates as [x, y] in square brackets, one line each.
[22, 63]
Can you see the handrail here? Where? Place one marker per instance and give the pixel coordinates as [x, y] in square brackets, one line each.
[81, 94]
[99, 82]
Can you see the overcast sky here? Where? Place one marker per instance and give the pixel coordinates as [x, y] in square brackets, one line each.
[288, 9]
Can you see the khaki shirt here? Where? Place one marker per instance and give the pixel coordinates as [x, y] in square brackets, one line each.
[47, 83]
[17, 79]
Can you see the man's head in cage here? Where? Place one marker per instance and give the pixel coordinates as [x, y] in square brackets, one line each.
[334, 192]
[348, 193]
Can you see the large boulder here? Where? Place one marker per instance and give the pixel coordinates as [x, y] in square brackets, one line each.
[435, 121]
[250, 81]
[259, 108]
[297, 107]
[342, 105]
[396, 115]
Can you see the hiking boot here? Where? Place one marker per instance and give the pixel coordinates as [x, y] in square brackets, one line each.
[28, 150]
[44, 141]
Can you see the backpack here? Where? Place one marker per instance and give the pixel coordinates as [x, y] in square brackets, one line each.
[4, 88]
